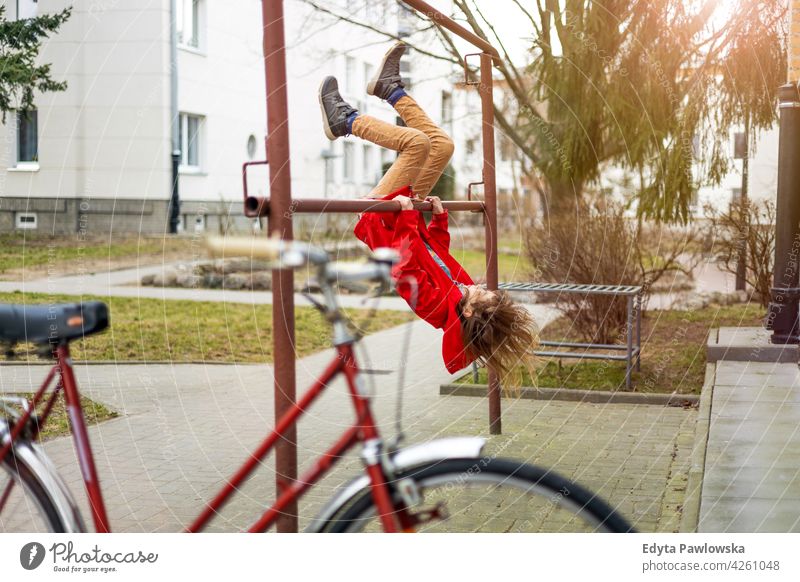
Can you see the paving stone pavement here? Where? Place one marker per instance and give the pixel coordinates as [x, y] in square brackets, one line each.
[752, 466]
[185, 428]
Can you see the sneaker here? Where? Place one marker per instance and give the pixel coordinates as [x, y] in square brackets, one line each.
[335, 110]
[387, 78]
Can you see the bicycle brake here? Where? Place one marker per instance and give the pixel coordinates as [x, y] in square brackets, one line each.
[409, 492]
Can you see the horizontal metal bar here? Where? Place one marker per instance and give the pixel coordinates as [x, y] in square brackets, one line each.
[578, 356]
[259, 206]
[620, 290]
[583, 345]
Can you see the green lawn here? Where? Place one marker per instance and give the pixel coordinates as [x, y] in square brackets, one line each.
[510, 267]
[25, 251]
[182, 331]
[57, 423]
[673, 353]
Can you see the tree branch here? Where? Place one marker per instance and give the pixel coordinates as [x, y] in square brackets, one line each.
[318, 7]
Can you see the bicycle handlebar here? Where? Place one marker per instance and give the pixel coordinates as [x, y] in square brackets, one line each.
[293, 254]
[285, 254]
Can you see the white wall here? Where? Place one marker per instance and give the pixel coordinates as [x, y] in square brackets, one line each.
[104, 136]
[318, 46]
[108, 135]
[223, 80]
[762, 175]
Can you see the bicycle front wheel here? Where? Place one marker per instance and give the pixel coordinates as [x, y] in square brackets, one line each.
[26, 506]
[489, 495]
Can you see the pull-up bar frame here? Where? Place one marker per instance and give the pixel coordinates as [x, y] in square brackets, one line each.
[280, 207]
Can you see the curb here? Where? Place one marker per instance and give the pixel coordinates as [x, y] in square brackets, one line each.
[756, 348]
[571, 395]
[49, 362]
[690, 517]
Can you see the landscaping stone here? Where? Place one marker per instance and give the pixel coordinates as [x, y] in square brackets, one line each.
[235, 281]
[699, 300]
[310, 286]
[167, 278]
[212, 281]
[187, 280]
[261, 281]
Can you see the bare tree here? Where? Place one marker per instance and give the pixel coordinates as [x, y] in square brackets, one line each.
[646, 85]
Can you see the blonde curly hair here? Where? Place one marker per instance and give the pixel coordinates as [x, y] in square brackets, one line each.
[500, 333]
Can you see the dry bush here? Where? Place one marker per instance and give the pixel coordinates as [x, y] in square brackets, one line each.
[597, 243]
[747, 227]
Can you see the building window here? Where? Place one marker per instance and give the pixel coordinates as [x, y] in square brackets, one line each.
[366, 161]
[27, 9]
[191, 134]
[369, 70]
[350, 80]
[251, 147]
[187, 21]
[386, 160]
[26, 220]
[506, 148]
[349, 162]
[27, 137]
[447, 108]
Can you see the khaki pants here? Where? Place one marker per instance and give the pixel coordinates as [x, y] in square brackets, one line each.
[423, 148]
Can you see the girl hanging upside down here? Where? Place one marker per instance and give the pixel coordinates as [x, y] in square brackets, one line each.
[478, 324]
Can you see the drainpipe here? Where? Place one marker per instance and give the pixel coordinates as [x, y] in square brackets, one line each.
[174, 201]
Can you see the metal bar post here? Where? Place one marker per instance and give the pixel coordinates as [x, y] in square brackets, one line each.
[485, 88]
[629, 334]
[280, 222]
[783, 310]
[639, 333]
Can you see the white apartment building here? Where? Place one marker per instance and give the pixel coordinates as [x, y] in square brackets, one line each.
[514, 196]
[96, 158]
[762, 182]
[317, 46]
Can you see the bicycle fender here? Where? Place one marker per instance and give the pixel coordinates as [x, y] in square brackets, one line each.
[34, 458]
[404, 459]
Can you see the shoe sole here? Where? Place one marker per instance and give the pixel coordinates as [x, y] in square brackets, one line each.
[377, 76]
[325, 124]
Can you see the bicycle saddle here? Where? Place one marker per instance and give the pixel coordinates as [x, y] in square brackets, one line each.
[41, 324]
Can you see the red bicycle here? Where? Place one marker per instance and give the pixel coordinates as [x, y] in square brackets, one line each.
[447, 485]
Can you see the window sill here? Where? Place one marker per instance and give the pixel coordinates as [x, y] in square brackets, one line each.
[191, 171]
[25, 167]
[192, 49]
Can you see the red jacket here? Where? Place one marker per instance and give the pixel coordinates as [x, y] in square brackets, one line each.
[436, 295]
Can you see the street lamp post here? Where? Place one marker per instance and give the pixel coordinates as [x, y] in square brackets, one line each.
[740, 152]
[783, 309]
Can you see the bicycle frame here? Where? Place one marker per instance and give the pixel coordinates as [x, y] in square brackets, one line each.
[363, 431]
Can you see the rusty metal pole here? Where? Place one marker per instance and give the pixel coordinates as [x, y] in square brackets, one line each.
[490, 208]
[280, 221]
